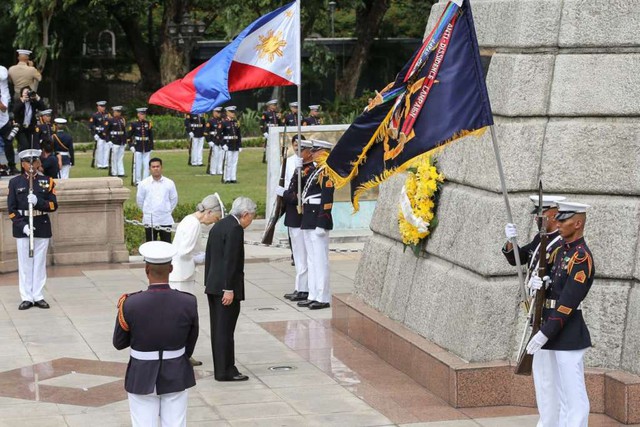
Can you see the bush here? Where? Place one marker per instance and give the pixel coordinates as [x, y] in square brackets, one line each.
[168, 127]
[250, 123]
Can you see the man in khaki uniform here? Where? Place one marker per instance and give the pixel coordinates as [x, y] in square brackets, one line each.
[24, 74]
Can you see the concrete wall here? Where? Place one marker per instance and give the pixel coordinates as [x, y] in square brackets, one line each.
[564, 83]
[88, 226]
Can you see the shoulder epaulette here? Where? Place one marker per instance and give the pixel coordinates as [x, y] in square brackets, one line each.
[121, 320]
[579, 257]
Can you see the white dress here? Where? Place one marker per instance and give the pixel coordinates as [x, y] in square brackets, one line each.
[188, 244]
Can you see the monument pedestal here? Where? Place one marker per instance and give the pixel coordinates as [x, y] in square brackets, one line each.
[88, 226]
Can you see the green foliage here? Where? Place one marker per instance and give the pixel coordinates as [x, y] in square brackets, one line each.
[168, 127]
[321, 63]
[345, 111]
[133, 234]
[250, 123]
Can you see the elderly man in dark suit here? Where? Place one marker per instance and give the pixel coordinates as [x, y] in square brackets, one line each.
[160, 325]
[224, 282]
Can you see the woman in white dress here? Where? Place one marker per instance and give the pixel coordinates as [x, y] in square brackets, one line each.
[188, 242]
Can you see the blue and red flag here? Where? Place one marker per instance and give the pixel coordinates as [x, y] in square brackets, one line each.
[266, 53]
[438, 97]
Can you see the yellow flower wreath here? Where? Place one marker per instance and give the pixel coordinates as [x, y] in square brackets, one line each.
[420, 187]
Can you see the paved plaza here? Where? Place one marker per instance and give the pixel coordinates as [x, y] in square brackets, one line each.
[59, 368]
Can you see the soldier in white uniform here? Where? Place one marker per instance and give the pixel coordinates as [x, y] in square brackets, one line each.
[32, 270]
[232, 140]
[195, 128]
[140, 136]
[160, 325]
[116, 132]
[317, 202]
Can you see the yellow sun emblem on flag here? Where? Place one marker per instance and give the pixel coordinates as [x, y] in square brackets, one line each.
[271, 45]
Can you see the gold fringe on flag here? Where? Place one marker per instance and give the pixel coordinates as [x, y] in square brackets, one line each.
[388, 173]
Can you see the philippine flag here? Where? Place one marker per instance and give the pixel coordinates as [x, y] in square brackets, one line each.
[266, 53]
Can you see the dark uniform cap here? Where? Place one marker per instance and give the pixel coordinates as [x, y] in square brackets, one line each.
[568, 209]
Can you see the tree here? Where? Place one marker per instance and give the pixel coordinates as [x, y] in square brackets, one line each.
[369, 16]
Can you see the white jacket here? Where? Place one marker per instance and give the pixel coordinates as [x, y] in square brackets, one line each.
[188, 243]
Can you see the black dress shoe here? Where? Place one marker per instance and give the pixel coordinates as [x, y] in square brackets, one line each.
[239, 377]
[41, 304]
[319, 305]
[305, 303]
[24, 305]
[302, 296]
[291, 295]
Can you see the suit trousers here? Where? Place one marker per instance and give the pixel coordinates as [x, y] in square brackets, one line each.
[223, 319]
[171, 408]
[64, 171]
[299, 251]
[561, 393]
[196, 151]
[117, 160]
[102, 153]
[218, 155]
[32, 272]
[316, 242]
[231, 166]
[142, 165]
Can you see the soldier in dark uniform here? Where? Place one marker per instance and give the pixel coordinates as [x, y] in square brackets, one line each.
[44, 130]
[564, 336]
[232, 140]
[63, 147]
[293, 220]
[291, 119]
[49, 161]
[529, 254]
[140, 136]
[214, 138]
[317, 201]
[32, 271]
[314, 116]
[270, 117]
[97, 123]
[195, 127]
[161, 327]
[116, 130]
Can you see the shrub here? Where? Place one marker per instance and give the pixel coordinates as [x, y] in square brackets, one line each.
[250, 123]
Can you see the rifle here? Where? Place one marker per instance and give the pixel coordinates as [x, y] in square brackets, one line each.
[209, 160]
[534, 320]
[31, 241]
[224, 163]
[278, 209]
[93, 155]
[111, 171]
[190, 145]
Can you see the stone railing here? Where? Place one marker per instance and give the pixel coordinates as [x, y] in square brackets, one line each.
[88, 226]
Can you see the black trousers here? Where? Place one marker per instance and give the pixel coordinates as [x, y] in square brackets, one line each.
[223, 319]
[153, 234]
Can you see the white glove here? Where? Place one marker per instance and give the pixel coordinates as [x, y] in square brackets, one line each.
[211, 144]
[132, 149]
[510, 231]
[280, 190]
[297, 162]
[191, 135]
[537, 342]
[26, 230]
[32, 199]
[96, 137]
[225, 147]
[266, 135]
[240, 150]
[199, 258]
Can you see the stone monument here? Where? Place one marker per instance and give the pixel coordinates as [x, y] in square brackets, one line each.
[564, 84]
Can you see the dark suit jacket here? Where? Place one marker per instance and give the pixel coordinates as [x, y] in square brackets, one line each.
[158, 319]
[224, 260]
[19, 109]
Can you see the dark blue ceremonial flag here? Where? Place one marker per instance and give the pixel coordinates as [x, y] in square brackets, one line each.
[457, 105]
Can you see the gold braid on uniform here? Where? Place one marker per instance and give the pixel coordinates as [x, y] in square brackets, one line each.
[577, 259]
[121, 320]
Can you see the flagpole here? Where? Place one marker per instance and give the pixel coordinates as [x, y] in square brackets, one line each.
[299, 169]
[514, 241]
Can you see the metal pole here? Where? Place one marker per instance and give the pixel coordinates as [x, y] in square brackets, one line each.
[299, 147]
[514, 241]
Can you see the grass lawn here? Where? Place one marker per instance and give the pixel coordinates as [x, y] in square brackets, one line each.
[192, 182]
